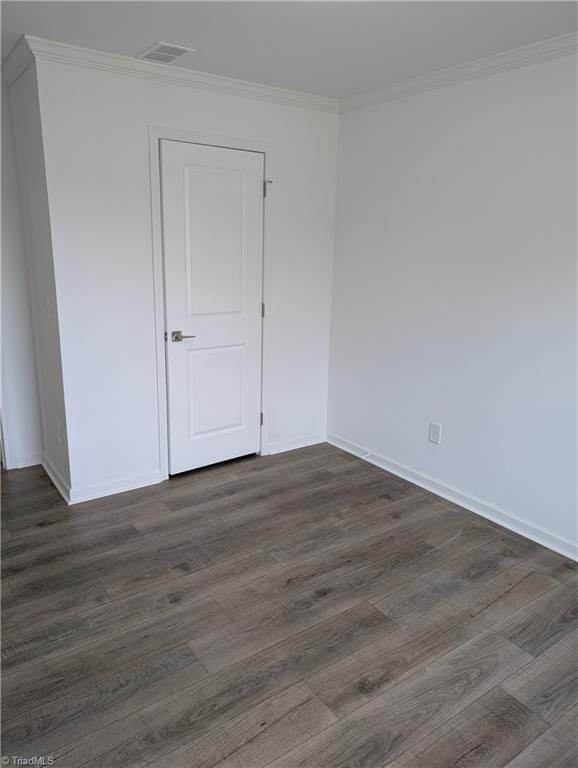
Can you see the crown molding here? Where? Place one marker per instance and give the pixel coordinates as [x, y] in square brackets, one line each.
[31, 48]
[62, 53]
[515, 58]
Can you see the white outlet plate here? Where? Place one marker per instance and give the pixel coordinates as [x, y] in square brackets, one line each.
[435, 433]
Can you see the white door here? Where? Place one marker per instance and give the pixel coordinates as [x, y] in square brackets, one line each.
[212, 202]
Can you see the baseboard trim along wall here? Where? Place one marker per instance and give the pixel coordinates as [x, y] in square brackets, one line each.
[62, 487]
[539, 535]
[78, 495]
[109, 489]
[26, 461]
[294, 443]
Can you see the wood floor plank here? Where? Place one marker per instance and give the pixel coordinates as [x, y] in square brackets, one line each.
[313, 457]
[487, 734]
[50, 608]
[491, 600]
[261, 622]
[366, 485]
[273, 621]
[277, 725]
[363, 514]
[247, 489]
[48, 580]
[456, 577]
[166, 558]
[549, 684]
[233, 573]
[322, 571]
[273, 511]
[367, 674]
[20, 482]
[65, 524]
[555, 565]
[418, 514]
[462, 537]
[208, 751]
[91, 704]
[6, 593]
[25, 557]
[172, 722]
[23, 645]
[39, 513]
[364, 675]
[555, 748]
[172, 556]
[259, 735]
[544, 622]
[307, 542]
[387, 726]
[25, 506]
[49, 679]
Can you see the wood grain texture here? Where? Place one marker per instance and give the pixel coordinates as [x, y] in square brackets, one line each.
[555, 565]
[42, 611]
[549, 684]
[259, 626]
[385, 727]
[556, 748]
[47, 679]
[367, 674]
[544, 622]
[364, 675]
[259, 735]
[303, 610]
[25, 644]
[88, 706]
[487, 734]
[189, 714]
[57, 556]
[457, 577]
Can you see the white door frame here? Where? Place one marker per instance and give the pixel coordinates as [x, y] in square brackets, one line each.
[213, 140]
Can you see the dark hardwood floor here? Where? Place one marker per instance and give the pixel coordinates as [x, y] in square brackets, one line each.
[304, 610]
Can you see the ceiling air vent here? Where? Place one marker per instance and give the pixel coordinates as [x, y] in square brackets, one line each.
[165, 53]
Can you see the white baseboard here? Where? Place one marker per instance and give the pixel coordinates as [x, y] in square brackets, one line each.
[561, 545]
[62, 487]
[77, 495]
[294, 443]
[26, 461]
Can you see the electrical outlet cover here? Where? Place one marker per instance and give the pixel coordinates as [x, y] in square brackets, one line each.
[435, 433]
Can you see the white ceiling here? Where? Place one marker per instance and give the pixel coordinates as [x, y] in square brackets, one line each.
[326, 48]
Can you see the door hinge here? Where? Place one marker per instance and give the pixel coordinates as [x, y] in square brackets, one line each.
[262, 309]
[265, 182]
[166, 336]
[261, 421]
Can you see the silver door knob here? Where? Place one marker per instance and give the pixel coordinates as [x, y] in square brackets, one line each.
[178, 336]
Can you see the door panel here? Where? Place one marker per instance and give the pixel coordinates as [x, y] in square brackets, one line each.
[216, 384]
[213, 242]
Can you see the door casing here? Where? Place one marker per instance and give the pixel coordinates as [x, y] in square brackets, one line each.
[213, 140]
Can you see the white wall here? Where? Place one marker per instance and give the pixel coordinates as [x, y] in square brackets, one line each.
[95, 130]
[455, 293]
[45, 306]
[21, 427]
